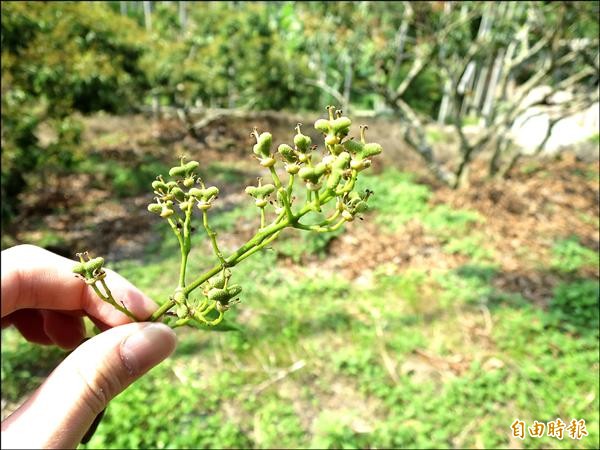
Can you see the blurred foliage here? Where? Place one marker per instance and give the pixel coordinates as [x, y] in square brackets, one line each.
[60, 58]
[569, 255]
[57, 59]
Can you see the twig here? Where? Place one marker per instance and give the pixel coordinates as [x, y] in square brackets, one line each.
[281, 374]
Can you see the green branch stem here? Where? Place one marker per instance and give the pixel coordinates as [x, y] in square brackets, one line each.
[110, 299]
[283, 192]
[256, 241]
[213, 237]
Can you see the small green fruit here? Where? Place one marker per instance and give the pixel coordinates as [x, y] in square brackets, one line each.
[304, 157]
[218, 295]
[353, 146]
[203, 205]
[265, 190]
[210, 192]
[371, 149]
[79, 269]
[332, 139]
[218, 281]
[308, 174]
[287, 152]
[178, 194]
[292, 169]
[155, 208]
[361, 164]
[234, 290]
[303, 142]
[167, 212]
[177, 171]
[337, 149]
[191, 166]
[195, 192]
[267, 162]
[341, 125]
[263, 145]
[342, 161]
[94, 264]
[361, 207]
[322, 125]
[159, 186]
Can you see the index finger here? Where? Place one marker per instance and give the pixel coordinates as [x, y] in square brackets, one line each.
[36, 278]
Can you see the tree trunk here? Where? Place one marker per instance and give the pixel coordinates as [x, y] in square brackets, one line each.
[147, 15]
[491, 92]
[481, 81]
[156, 106]
[502, 144]
[182, 15]
[462, 172]
[445, 105]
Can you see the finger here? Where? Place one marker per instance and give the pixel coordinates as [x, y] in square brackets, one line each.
[64, 330]
[36, 278]
[64, 407]
[30, 324]
[101, 325]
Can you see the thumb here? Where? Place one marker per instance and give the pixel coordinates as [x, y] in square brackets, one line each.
[59, 413]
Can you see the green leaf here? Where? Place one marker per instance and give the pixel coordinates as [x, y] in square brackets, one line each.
[224, 326]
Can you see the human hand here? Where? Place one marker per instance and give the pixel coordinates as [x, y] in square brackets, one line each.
[42, 298]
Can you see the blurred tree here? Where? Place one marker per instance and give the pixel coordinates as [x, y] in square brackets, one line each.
[57, 60]
[490, 56]
[230, 56]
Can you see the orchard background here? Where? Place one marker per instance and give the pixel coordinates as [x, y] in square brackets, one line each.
[468, 296]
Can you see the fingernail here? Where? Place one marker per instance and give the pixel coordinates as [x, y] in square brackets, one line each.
[147, 347]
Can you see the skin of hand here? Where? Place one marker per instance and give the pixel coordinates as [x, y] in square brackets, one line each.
[44, 300]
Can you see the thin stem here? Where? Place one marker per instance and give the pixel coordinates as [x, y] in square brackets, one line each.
[182, 269]
[202, 278]
[284, 195]
[350, 183]
[332, 217]
[258, 247]
[262, 217]
[176, 231]
[230, 261]
[317, 201]
[109, 299]
[180, 239]
[161, 310]
[181, 322]
[255, 241]
[213, 237]
[320, 228]
[187, 244]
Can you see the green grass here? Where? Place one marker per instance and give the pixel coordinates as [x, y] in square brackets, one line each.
[473, 246]
[396, 199]
[568, 255]
[123, 180]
